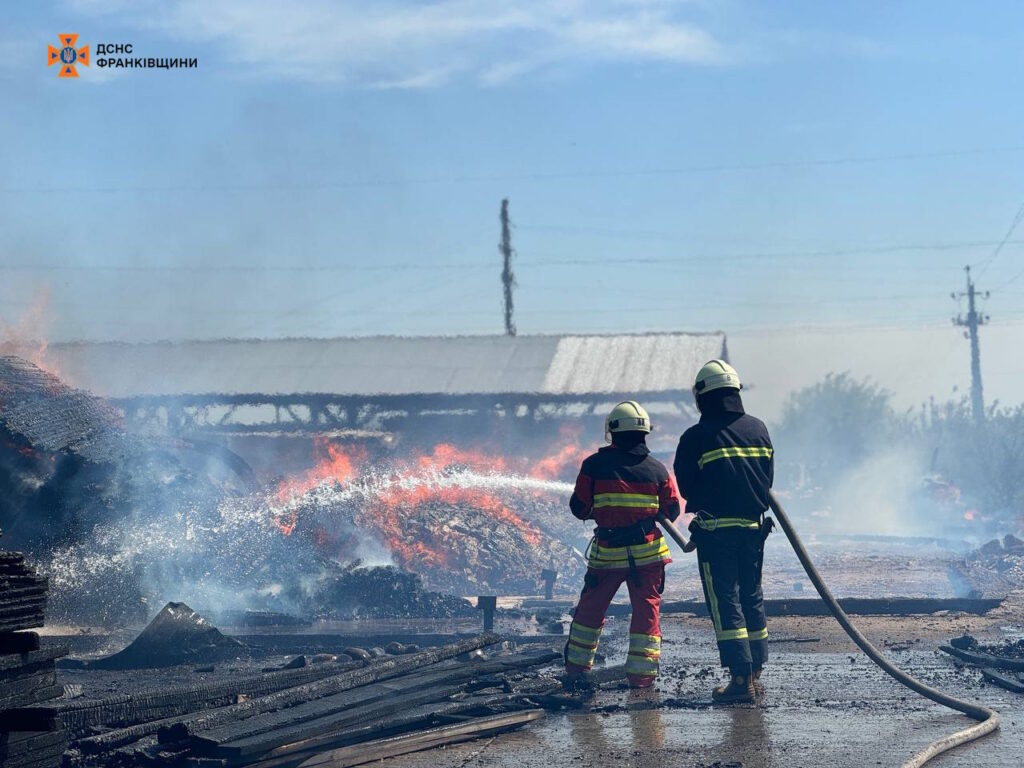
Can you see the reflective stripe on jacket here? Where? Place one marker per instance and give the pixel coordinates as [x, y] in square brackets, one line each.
[725, 464]
[619, 558]
[618, 488]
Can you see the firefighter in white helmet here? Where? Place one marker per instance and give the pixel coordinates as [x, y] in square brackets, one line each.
[622, 488]
[724, 467]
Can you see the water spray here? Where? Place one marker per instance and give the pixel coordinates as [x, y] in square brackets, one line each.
[988, 718]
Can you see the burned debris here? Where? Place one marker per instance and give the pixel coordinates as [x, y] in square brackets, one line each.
[1001, 664]
[283, 718]
[177, 635]
[27, 671]
[381, 592]
[994, 568]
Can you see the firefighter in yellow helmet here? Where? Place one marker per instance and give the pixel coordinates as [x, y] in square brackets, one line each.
[622, 488]
[724, 467]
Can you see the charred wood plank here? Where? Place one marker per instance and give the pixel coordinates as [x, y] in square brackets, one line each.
[140, 715]
[365, 703]
[247, 749]
[24, 579]
[40, 678]
[19, 592]
[1003, 681]
[152, 709]
[376, 672]
[34, 696]
[372, 751]
[31, 656]
[984, 659]
[29, 719]
[23, 744]
[413, 719]
[17, 643]
[13, 675]
[17, 623]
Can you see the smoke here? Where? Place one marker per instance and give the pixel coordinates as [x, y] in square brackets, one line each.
[882, 495]
[28, 336]
[280, 547]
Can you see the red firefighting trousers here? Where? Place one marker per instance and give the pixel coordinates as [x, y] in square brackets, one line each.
[645, 585]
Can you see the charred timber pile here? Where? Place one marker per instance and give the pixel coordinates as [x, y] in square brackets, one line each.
[334, 714]
[994, 568]
[27, 672]
[1001, 665]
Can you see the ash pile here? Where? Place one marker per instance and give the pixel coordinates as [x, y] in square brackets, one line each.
[28, 675]
[994, 569]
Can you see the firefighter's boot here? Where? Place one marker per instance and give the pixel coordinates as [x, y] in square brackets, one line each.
[740, 689]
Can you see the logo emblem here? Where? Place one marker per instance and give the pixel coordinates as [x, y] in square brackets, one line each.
[67, 56]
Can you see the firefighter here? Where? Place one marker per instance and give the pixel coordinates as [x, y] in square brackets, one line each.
[622, 488]
[724, 467]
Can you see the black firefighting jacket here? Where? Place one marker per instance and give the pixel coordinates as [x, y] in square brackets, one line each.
[724, 464]
[619, 487]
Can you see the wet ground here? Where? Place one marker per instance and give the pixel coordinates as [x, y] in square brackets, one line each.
[826, 705]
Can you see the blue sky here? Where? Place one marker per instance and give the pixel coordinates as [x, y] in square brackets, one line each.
[336, 168]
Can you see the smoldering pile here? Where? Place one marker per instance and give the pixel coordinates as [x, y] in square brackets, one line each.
[380, 592]
[123, 523]
[995, 568]
[76, 488]
[461, 531]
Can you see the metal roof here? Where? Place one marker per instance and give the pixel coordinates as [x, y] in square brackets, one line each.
[390, 365]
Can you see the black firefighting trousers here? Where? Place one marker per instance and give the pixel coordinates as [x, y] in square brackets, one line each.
[730, 560]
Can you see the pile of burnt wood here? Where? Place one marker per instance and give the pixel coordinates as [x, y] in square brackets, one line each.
[994, 568]
[27, 674]
[1000, 664]
[325, 714]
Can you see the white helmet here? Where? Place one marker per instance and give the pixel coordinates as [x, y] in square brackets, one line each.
[627, 416]
[716, 374]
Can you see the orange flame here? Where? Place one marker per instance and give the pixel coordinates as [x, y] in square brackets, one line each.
[398, 517]
[332, 463]
[566, 459]
[27, 336]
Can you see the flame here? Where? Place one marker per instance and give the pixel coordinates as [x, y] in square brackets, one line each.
[286, 527]
[333, 464]
[970, 514]
[564, 460]
[27, 336]
[405, 516]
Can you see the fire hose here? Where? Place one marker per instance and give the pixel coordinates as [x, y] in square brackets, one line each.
[988, 718]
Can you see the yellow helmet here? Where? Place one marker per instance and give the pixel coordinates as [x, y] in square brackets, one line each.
[716, 374]
[627, 416]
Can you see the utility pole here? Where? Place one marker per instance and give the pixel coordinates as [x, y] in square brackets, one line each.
[972, 322]
[507, 278]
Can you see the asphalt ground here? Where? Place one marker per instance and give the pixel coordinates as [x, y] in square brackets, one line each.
[826, 705]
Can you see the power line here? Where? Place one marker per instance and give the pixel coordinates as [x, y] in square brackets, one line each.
[527, 177]
[552, 260]
[1009, 233]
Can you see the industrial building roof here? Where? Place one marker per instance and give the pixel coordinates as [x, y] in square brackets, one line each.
[387, 365]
